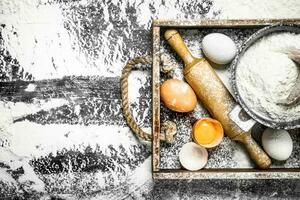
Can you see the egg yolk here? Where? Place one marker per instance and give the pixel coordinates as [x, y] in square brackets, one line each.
[205, 132]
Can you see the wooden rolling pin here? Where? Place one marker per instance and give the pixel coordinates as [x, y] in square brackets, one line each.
[215, 97]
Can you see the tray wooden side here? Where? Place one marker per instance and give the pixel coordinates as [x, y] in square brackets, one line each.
[275, 173]
[155, 99]
[225, 23]
[281, 173]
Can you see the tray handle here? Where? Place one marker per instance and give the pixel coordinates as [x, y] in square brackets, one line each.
[168, 129]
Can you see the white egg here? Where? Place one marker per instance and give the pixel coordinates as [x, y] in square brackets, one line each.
[192, 156]
[219, 48]
[277, 143]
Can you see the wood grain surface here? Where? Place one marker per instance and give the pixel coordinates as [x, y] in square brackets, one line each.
[72, 52]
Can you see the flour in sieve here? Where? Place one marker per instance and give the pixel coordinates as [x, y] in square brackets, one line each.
[265, 76]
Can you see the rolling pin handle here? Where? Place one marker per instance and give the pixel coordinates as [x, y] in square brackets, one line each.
[261, 159]
[177, 43]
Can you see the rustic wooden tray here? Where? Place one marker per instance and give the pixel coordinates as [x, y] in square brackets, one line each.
[222, 173]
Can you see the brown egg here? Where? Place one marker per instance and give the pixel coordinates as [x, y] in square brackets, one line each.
[178, 96]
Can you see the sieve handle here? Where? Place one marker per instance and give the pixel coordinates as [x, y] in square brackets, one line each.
[241, 119]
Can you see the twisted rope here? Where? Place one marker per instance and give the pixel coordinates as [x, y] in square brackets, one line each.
[124, 94]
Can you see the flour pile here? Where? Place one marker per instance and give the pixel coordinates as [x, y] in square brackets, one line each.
[266, 76]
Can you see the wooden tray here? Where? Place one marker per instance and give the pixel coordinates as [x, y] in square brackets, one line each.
[222, 173]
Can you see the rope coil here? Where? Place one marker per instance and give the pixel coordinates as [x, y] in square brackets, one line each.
[168, 127]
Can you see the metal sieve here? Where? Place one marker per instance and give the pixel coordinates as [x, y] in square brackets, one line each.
[260, 117]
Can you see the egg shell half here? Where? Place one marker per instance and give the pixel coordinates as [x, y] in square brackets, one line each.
[192, 156]
[219, 48]
[277, 143]
[178, 96]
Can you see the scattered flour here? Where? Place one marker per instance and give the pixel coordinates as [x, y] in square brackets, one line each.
[242, 157]
[35, 35]
[29, 181]
[136, 181]
[136, 80]
[30, 88]
[263, 9]
[42, 41]
[35, 140]
[6, 177]
[266, 75]
[11, 111]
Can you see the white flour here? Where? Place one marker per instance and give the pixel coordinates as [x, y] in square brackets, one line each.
[265, 76]
[43, 41]
[247, 9]
[46, 49]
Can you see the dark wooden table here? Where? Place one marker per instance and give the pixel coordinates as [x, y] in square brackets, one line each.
[74, 51]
